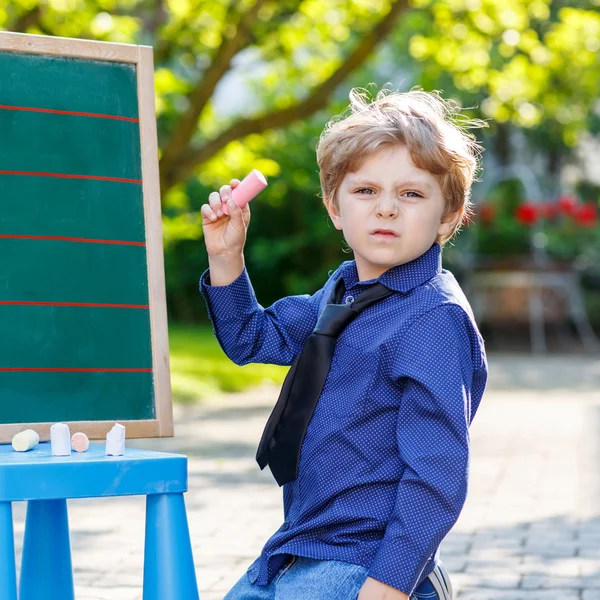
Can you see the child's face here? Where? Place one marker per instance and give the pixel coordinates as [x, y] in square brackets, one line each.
[388, 192]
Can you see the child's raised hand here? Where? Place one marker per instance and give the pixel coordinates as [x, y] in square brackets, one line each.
[224, 235]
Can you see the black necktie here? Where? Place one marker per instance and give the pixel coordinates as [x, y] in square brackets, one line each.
[284, 433]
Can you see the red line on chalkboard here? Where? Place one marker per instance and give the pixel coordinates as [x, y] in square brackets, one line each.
[69, 112]
[76, 370]
[61, 238]
[19, 303]
[65, 176]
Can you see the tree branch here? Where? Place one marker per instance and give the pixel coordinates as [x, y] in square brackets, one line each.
[200, 95]
[26, 20]
[318, 99]
[157, 18]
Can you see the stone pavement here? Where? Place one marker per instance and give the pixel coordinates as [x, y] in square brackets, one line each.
[530, 529]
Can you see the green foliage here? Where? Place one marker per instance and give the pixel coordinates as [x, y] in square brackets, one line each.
[501, 235]
[199, 368]
[532, 62]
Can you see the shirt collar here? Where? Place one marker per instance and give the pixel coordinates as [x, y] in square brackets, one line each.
[402, 278]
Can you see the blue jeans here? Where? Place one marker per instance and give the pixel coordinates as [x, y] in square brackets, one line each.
[302, 578]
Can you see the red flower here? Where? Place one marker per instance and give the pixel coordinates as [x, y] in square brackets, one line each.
[487, 213]
[568, 204]
[527, 213]
[586, 214]
[549, 211]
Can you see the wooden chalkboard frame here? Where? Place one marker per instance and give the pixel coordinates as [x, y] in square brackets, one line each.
[142, 57]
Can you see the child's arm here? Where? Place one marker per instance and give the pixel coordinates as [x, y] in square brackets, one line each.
[439, 361]
[245, 330]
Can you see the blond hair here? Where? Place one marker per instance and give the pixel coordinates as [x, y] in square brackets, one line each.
[430, 127]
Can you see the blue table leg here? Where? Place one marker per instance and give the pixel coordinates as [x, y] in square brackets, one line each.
[46, 570]
[169, 572]
[8, 572]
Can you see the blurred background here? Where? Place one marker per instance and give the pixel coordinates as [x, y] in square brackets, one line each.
[250, 84]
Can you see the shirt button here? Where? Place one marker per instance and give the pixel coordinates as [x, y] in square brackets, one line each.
[349, 299]
[285, 527]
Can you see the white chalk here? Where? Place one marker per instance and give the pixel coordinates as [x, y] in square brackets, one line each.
[80, 442]
[25, 440]
[60, 439]
[115, 441]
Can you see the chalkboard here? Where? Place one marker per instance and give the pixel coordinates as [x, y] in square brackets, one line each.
[83, 326]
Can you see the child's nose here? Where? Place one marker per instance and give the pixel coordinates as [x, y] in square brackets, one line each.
[387, 206]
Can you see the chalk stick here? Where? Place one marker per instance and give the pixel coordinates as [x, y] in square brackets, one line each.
[60, 439]
[115, 440]
[25, 440]
[80, 442]
[249, 187]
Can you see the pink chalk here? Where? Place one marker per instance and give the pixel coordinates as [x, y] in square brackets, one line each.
[251, 185]
[80, 442]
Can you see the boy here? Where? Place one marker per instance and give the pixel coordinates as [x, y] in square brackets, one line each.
[383, 468]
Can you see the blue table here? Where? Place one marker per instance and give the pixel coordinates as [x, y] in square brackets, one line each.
[46, 482]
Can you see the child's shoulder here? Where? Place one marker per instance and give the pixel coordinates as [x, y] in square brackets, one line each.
[334, 274]
[442, 292]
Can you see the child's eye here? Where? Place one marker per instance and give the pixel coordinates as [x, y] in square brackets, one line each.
[414, 194]
[367, 191]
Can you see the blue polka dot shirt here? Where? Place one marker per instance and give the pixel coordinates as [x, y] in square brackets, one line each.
[384, 465]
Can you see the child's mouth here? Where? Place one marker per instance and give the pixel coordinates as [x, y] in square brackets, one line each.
[383, 234]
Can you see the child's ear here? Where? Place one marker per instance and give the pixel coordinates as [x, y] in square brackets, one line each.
[334, 213]
[450, 221]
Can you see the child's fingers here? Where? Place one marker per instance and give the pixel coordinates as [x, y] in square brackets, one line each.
[234, 183]
[240, 217]
[208, 213]
[246, 214]
[235, 212]
[225, 192]
[214, 200]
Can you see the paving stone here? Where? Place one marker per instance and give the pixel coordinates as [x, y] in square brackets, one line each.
[543, 582]
[554, 567]
[492, 578]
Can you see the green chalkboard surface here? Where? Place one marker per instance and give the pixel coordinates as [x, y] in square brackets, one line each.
[76, 308]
